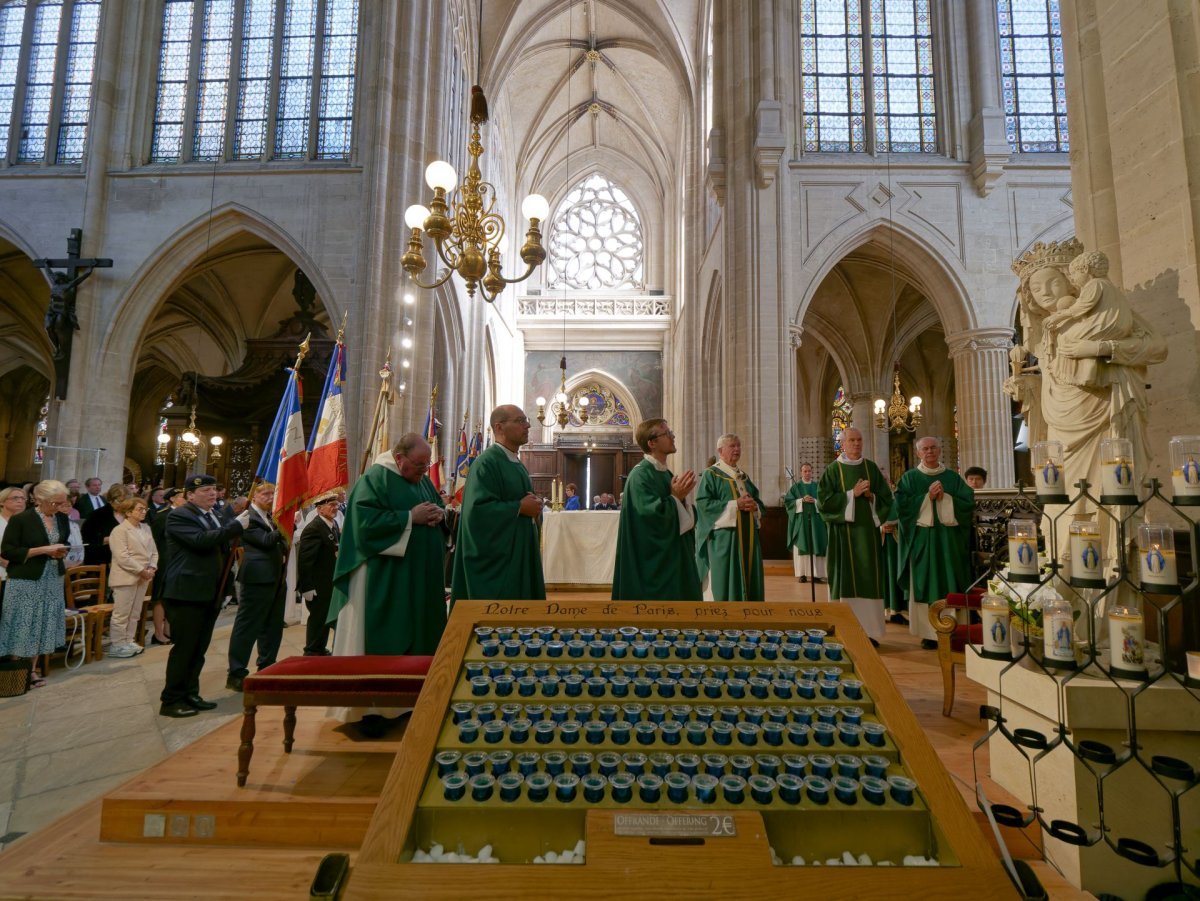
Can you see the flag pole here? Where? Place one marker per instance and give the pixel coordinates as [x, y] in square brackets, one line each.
[382, 402]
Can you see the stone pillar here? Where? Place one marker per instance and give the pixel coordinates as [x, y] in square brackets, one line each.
[862, 417]
[984, 410]
[986, 135]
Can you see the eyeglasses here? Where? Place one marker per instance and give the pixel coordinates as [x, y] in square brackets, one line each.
[416, 465]
[524, 420]
[667, 434]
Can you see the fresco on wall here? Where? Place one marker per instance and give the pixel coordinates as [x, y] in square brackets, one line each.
[638, 370]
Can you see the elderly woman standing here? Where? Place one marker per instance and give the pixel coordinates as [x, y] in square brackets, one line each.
[12, 502]
[134, 562]
[34, 546]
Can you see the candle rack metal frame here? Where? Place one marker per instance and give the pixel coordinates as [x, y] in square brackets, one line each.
[1175, 777]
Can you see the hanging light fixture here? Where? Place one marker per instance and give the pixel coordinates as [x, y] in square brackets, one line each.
[563, 406]
[465, 228]
[189, 441]
[162, 439]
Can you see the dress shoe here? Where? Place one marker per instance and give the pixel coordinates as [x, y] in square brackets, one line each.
[199, 703]
[372, 726]
[898, 619]
[178, 710]
[874, 643]
[803, 579]
[928, 644]
[234, 683]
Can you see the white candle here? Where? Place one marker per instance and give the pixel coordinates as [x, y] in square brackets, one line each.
[1158, 566]
[1049, 479]
[1127, 638]
[993, 613]
[1185, 466]
[1022, 555]
[1058, 630]
[1186, 480]
[1048, 467]
[1116, 478]
[1086, 553]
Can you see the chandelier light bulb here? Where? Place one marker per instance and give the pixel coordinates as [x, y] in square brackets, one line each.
[440, 174]
[216, 440]
[163, 438]
[880, 405]
[535, 206]
[405, 364]
[584, 401]
[406, 342]
[190, 437]
[561, 397]
[415, 216]
[916, 401]
[541, 401]
[409, 299]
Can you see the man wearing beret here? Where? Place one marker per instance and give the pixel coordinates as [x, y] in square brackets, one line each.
[197, 565]
[318, 552]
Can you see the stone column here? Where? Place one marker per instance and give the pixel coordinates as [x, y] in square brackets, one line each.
[984, 410]
[862, 417]
[986, 135]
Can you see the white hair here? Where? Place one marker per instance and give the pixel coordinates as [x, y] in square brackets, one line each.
[727, 438]
[926, 440]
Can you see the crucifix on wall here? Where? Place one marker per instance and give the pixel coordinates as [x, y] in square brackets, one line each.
[65, 276]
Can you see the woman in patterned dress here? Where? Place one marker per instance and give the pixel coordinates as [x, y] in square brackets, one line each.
[34, 545]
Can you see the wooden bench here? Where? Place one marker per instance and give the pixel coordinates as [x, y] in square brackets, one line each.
[366, 681]
[953, 636]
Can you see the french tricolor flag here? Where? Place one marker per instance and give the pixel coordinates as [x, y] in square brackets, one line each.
[328, 468]
[284, 462]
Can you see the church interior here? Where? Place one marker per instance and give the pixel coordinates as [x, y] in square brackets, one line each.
[785, 221]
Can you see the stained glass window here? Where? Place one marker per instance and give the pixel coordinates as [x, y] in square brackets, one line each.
[12, 24]
[842, 409]
[293, 64]
[902, 76]
[1031, 75]
[77, 82]
[39, 82]
[831, 75]
[596, 240]
[41, 438]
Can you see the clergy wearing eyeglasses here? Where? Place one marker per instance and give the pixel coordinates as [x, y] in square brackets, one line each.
[656, 547]
[728, 508]
[498, 555]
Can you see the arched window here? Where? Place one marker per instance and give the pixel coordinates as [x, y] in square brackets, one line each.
[596, 241]
[842, 408]
[275, 81]
[1032, 75]
[893, 110]
[47, 63]
[41, 438]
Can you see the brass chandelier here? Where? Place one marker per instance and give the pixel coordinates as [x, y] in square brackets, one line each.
[899, 414]
[562, 408]
[467, 232]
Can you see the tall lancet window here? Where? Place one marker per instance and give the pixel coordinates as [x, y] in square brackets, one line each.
[867, 76]
[595, 241]
[256, 80]
[1032, 75]
[47, 67]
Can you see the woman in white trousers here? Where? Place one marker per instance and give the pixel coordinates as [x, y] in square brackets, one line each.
[134, 560]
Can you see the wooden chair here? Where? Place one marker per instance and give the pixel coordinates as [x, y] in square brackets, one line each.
[953, 636]
[86, 589]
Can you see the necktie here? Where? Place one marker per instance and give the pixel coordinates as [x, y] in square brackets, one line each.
[212, 520]
[96, 502]
[337, 535]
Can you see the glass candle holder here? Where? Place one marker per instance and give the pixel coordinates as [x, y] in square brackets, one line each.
[714, 764]
[1048, 476]
[1117, 476]
[621, 787]
[1127, 641]
[790, 786]
[1185, 469]
[1087, 555]
[1058, 630]
[1022, 550]
[705, 787]
[1156, 554]
[994, 615]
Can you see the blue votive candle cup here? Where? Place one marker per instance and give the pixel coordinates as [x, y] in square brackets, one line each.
[705, 787]
[782, 688]
[704, 713]
[510, 711]
[656, 713]
[608, 634]
[850, 734]
[527, 762]
[621, 785]
[581, 762]
[816, 635]
[875, 734]
[560, 712]
[576, 648]
[762, 789]
[666, 687]
[733, 789]
[736, 688]
[874, 789]
[503, 685]
[518, 731]
[683, 649]
[562, 670]
[821, 765]
[652, 671]
[752, 713]
[902, 789]
[483, 633]
[845, 789]
[849, 765]
[583, 712]
[789, 788]
[747, 734]
[526, 632]
[541, 669]
[660, 763]
[824, 733]
[535, 713]
[772, 734]
[803, 714]
[741, 670]
[746, 650]
[768, 651]
[730, 714]
[480, 685]
[704, 649]
[806, 688]
[643, 687]
[607, 763]
[876, 766]
[712, 688]
[777, 714]
[482, 787]
[829, 689]
[661, 649]
[593, 787]
[447, 761]
[555, 648]
[790, 650]
[474, 668]
[812, 650]
[512, 647]
[689, 764]
[586, 633]
[852, 689]
[634, 762]
[504, 633]
[527, 686]
[832, 673]
[633, 711]
[640, 648]
[608, 713]
[721, 732]
[852, 715]
[719, 671]
[593, 733]
[678, 785]
[827, 713]
[795, 764]
[697, 733]
[833, 651]
[474, 763]
[537, 786]
[568, 733]
[669, 731]
[619, 686]
[454, 786]
[619, 649]
[767, 765]
[554, 762]
[818, 789]
[689, 687]
[490, 648]
[596, 686]
[566, 786]
[461, 710]
[573, 686]
[644, 733]
[726, 649]
[543, 733]
[534, 647]
[629, 633]
[468, 731]
[493, 732]
[597, 649]
[759, 688]
[797, 734]
[741, 765]
[510, 786]
[714, 764]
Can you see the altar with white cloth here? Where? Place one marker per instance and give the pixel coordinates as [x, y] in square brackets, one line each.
[579, 547]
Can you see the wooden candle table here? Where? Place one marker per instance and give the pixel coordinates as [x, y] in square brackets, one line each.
[702, 750]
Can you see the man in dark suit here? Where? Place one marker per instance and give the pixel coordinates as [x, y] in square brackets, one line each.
[197, 563]
[92, 501]
[260, 608]
[318, 550]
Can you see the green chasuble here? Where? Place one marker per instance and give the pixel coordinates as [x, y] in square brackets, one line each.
[498, 556]
[728, 549]
[894, 589]
[654, 561]
[806, 530]
[855, 558]
[396, 591]
[935, 554]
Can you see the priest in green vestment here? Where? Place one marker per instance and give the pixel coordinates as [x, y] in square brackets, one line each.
[498, 555]
[728, 513]
[807, 536]
[934, 507]
[854, 500]
[389, 595]
[656, 550]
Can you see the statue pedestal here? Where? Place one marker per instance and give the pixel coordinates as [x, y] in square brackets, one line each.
[1135, 805]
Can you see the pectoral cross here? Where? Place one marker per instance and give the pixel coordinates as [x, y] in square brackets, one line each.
[61, 321]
